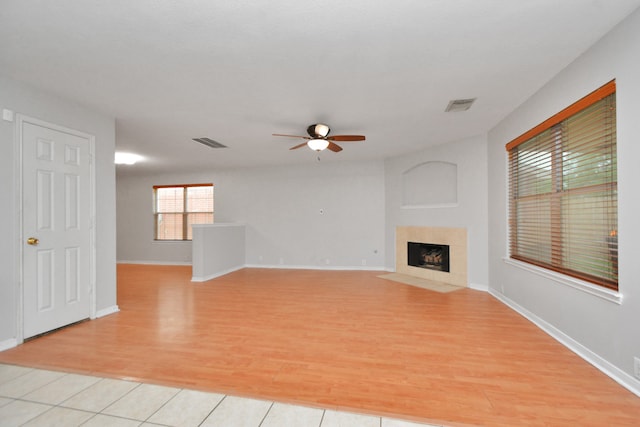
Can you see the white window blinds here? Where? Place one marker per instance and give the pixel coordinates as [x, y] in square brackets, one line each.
[178, 207]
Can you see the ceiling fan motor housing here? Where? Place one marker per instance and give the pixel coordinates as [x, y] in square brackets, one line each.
[318, 130]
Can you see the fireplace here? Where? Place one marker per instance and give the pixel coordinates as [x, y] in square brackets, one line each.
[446, 267]
[428, 255]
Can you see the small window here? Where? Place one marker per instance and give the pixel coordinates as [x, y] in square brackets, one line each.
[563, 200]
[177, 207]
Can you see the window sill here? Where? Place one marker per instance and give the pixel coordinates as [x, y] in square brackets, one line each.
[581, 285]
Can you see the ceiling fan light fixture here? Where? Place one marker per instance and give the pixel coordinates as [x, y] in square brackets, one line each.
[318, 144]
[319, 130]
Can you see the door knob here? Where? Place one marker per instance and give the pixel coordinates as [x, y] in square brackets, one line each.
[33, 241]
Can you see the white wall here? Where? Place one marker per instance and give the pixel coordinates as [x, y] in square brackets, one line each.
[34, 103]
[281, 209]
[470, 156]
[609, 332]
[217, 249]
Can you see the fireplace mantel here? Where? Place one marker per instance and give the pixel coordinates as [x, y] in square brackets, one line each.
[456, 238]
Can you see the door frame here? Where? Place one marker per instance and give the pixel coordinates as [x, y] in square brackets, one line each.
[21, 119]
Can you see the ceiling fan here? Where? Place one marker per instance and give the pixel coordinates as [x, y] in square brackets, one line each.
[319, 138]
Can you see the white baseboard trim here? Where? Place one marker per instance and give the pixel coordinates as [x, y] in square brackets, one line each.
[478, 287]
[618, 375]
[155, 262]
[319, 267]
[287, 267]
[218, 274]
[107, 311]
[7, 344]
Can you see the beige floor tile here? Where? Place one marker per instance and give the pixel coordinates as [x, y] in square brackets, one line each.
[60, 417]
[10, 372]
[100, 395]
[421, 283]
[18, 412]
[141, 402]
[109, 421]
[61, 389]
[130, 403]
[281, 414]
[187, 408]
[346, 419]
[238, 412]
[28, 382]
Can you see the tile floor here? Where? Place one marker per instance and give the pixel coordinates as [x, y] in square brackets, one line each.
[36, 397]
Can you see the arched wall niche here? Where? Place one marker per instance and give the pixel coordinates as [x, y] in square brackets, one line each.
[430, 185]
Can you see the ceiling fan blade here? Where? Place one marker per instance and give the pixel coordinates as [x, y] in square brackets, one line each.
[334, 147]
[291, 136]
[298, 146]
[346, 138]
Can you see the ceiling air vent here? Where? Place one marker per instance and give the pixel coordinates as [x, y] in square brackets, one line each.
[209, 142]
[459, 105]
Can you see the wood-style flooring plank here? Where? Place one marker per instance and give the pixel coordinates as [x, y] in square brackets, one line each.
[337, 339]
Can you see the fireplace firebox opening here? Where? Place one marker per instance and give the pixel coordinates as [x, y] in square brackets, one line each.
[428, 255]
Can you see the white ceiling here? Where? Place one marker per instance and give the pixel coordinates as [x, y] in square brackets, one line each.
[238, 70]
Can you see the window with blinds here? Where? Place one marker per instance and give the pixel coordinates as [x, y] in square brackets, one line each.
[178, 207]
[563, 207]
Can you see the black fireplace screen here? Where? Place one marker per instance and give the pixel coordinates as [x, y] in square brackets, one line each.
[428, 255]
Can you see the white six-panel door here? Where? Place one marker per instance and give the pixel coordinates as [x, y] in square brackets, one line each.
[56, 214]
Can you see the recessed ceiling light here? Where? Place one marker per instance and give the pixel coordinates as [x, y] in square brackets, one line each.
[127, 158]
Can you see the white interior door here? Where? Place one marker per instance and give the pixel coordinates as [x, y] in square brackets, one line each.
[56, 229]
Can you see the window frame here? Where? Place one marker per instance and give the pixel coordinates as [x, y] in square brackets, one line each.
[555, 197]
[185, 213]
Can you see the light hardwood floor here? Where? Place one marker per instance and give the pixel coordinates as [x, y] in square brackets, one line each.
[337, 340]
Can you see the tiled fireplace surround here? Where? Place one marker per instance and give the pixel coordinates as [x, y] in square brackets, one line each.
[456, 238]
